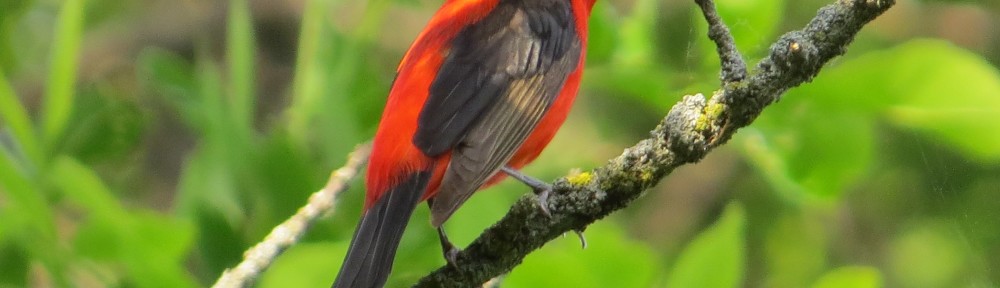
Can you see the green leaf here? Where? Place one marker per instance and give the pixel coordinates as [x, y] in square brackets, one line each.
[928, 85]
[110, 132]
[28, 221]
[207, 183]
[305, 265]
[10, 13]
[217, 182]
[24, 208]
[98, 240]
[172, 79]
[928, 254]
[327, 76]
[152, 247]
[62, 71]
[157, 249]
[851, 277]
[950, 94]
[819, 138]
[636, 47]
[15, 117]
[610, 260]
[602, 34]
[15, 264]
[795, 248]
[240, 51]
[309, 77]
[82, 186]
[806, 150]
[208, 196]
[716, 258]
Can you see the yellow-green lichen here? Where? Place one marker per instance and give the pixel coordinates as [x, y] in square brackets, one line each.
[580, 179]
[646, 176]
[711, 112]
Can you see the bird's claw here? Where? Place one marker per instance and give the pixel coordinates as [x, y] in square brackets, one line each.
[451, 256]
[583, 239]
[540, 188]
[543, 201]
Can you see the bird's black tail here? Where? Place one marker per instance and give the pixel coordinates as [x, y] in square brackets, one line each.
[369, 259]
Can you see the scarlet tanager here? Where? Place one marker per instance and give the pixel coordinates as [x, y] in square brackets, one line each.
[479, 94]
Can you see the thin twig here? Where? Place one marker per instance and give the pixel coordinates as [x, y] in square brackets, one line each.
[691, 129]
[733, 67]
[260, 256]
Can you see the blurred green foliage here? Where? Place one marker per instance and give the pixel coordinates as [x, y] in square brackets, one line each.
[148, 144]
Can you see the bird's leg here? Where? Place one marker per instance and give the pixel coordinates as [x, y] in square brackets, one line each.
[448, 249]
[541, 188]
[450, 252]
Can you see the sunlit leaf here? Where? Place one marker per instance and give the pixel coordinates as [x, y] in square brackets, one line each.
[62, 75]
[927, 85]
[850, 277]
[158, 251]
[949, 93]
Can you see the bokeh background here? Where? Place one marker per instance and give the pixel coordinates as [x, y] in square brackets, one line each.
[148, 143]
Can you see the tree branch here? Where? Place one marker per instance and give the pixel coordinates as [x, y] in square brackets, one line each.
[733, 67]
[691, 129]
[260, 256]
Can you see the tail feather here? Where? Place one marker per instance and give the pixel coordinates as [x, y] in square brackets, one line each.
[369, 259]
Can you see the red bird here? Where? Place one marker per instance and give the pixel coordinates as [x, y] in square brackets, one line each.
[482, 90]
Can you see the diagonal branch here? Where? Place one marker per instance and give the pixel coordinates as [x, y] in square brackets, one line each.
[260, 256]
[691, 129]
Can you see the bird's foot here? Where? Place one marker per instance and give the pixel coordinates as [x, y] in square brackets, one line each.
[451, 256]
[448, 249]
[541, 189]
